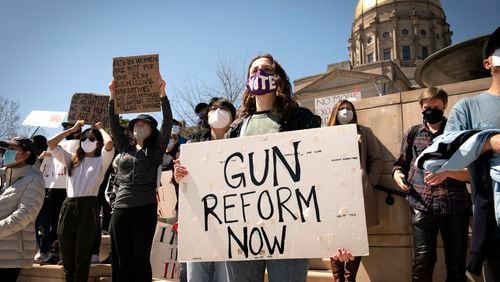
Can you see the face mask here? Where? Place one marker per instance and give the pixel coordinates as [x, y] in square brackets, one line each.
[432, 116]
[345, 116]
[176, 129]
[88, 146]
[219, 118]
[141, 132]
[9, 157]
[261, 83]
[495, 60]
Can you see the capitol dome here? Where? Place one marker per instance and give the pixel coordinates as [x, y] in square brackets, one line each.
[365, 5]
[402, 31]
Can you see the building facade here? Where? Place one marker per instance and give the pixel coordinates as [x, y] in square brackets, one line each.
[389, 38]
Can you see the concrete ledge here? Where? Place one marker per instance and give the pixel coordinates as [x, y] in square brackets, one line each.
[55, 273]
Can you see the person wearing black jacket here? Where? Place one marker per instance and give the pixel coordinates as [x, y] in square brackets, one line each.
[268, 107]
[134, 217]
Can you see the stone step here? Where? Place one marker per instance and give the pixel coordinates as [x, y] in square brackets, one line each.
[55, 273]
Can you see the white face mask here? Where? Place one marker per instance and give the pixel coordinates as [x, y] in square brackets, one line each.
[141, 132]
[345, 116]
[495, 60]
[219, 118]
[88, 146]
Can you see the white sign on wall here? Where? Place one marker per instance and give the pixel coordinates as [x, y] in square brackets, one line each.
[323, 106]
[286, 195]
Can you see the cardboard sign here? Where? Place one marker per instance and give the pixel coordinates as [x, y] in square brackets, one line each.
[323, 106]
[163, 257]
[137, 84]
[90, 107]
[45, 119]
[165, 195]
[286, 195]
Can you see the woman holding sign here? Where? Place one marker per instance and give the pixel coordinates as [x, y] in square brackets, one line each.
[221, 114]
[79, 214]
[133, 222]
[268, 107]
[371, 166]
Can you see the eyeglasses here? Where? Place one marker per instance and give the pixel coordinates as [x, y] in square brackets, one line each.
[84, 138]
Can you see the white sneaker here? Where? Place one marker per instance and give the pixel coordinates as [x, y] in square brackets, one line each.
[40, 256]
[95, 259]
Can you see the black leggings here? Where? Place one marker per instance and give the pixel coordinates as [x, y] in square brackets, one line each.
[132, 232]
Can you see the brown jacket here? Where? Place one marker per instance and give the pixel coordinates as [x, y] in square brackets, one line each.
[371, 166]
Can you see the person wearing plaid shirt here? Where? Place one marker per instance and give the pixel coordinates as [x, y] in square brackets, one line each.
[438, 202]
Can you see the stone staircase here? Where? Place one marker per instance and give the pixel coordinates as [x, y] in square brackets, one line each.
[318, 269]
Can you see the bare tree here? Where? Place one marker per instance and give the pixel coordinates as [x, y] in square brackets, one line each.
[229, 83]
[9, 118]
[10, 121]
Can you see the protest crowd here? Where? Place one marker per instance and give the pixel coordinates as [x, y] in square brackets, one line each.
[60, 195]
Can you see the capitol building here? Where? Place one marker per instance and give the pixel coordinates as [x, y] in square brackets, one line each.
[389, 38]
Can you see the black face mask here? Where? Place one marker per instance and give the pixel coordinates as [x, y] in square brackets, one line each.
[433, 116]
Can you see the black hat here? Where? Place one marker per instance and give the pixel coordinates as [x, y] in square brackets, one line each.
[26, 143]
[492, 44]
[200, 107]
[147, 118]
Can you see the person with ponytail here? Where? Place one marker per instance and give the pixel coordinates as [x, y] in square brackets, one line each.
[78, 219]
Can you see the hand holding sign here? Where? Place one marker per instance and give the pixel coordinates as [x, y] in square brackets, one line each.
[112, 89]
[162, 87]
[78, 124]
[180, 171]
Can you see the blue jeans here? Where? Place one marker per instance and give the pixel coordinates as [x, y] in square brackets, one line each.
[207, 271]
[286, 270]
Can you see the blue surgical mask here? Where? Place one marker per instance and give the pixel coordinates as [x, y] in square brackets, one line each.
[176, 129]
[9, 157]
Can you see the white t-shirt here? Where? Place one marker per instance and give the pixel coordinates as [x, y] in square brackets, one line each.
[86, 178]
[54, 172]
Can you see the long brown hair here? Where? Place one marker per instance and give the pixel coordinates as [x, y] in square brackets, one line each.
[284, 102]
[77, 158]
[332, 119]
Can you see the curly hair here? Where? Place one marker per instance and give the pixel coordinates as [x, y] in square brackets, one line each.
[284, 102]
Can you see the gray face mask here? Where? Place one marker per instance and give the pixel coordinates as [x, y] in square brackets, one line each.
[345, 116]
[141, 132]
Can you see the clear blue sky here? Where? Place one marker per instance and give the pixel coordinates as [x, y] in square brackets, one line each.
[52, 49]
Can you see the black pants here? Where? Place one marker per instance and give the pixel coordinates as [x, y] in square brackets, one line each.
[56, 199]
[345, 271]
[9, 274]
[76, 232]
[454, 232]
[132, 232]
[42, 225]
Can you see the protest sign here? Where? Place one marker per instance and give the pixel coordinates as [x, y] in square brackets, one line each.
[90, 107]
[137, 84]
[323, 106]
[45, 119]
[165, 196]
[285, 195]
[164, 264]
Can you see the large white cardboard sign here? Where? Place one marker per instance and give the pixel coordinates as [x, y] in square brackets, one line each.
[286, 195]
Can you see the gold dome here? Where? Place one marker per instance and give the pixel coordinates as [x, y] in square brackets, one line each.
[365, 5]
